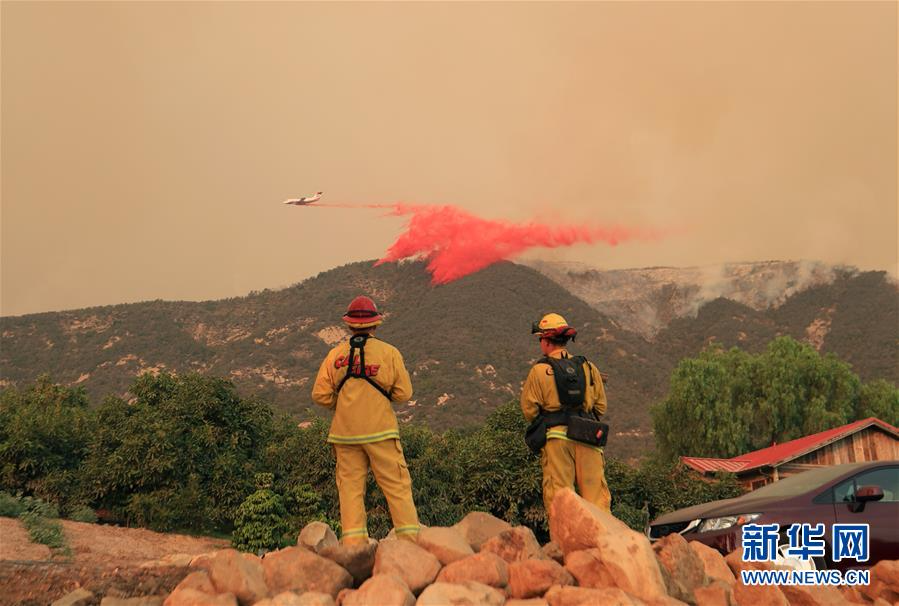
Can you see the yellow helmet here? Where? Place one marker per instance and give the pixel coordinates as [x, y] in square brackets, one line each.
[553, 326]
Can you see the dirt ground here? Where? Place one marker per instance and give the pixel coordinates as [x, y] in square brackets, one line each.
[105, 559]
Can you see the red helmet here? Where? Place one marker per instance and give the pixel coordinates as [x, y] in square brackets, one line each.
[362, 313]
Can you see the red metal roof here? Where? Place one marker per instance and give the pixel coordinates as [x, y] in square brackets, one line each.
[781, 453]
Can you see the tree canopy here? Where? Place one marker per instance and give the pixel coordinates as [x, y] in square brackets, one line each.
[725, 403]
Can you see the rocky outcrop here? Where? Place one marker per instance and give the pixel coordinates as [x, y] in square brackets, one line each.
[514, 545]
[478, 527]
[382, 589]
[884, 582]
[713, 563]
[467, 594]
[447, 544]
[416, 566]
[358, 560]
[289, 598]
[79, 597]
[594, 560]
[316, 536]
[583, 596]
[682, 570]
[299, 570]
[231, 571]
[533, 578]
[487, 568]
[196, 589]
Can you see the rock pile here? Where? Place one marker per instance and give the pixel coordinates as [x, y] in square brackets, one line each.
[594, 560]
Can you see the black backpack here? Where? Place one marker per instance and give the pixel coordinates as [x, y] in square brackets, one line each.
[571, 386]
[357, 343]
[571, 380]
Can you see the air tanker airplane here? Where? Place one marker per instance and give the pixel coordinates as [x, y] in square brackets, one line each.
[304, 201]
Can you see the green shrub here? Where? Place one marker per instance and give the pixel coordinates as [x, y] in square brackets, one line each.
[180, 456]
[261, 522]
[44, 433]
[40, 508]
[43, 530]
[10, 505]
[83, 514]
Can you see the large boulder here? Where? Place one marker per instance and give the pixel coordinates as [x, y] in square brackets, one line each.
[467, 594]
[625, 561]
[533, 578]
[447, 544]
[317, 535]
[478, 526]
[884, 582]
[584, 596]
[196, 589]
[529, 602]
[853, 595]
[192, 597]
[381, 589]
[716, 593]
[417, 567]
[682, 570]
[575, 524]
[822, 595]
[298, 569]
[289, 598]
[234, 572]
[79, 597]
[734, 561]
[552, 551]
[358, 560]
[514, 545]
[753, 595]
[487, 568]
[146, 600]
[713, 563]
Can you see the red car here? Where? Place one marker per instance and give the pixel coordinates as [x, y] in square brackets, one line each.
[857, 493]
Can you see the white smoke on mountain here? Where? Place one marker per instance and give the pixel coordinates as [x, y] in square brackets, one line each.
[646, 300]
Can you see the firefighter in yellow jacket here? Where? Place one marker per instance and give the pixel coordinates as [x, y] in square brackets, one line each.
[359, 379]
[564, 461]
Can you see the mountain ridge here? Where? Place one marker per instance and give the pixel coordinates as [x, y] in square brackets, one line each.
[467, 343]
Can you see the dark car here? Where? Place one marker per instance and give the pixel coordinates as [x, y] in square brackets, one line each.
[856, 493]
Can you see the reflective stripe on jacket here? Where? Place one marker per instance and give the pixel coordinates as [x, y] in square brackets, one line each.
[362, 414]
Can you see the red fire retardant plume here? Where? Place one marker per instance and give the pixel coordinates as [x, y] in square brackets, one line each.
[456, 243]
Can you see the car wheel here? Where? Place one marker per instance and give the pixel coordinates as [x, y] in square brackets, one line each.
[794, 563]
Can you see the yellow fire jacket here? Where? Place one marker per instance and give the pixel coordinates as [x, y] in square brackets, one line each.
[362, 414]
[539, 391]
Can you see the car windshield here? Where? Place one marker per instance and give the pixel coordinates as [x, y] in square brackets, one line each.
[801, 482]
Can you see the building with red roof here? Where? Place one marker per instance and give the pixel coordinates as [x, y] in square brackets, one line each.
[866, 440]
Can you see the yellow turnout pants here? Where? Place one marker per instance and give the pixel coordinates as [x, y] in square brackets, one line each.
[389, 466]
[565, 462]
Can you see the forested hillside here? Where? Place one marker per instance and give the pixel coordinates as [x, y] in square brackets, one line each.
[467, 343]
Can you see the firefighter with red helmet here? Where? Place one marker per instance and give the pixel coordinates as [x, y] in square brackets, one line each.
[565, 462]
[359, 379]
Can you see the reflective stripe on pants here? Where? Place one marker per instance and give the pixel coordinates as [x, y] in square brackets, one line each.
[389, 467]
[566, 463]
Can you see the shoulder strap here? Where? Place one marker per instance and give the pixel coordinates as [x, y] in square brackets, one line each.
[582, 360]
[357, 342]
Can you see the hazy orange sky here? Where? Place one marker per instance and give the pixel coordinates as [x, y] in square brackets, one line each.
[146, 147]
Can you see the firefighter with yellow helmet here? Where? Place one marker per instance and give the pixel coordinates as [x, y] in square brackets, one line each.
[563, 390]
[359, 379]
